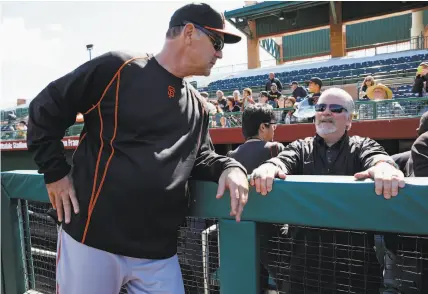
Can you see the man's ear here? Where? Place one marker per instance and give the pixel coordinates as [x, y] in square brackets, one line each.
[349, 123]
[189, 31]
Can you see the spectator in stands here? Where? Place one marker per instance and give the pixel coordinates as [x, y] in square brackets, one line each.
[263, 97]
[217, 119]
[273, 81]
[367, 83]
[21, 132]
[298, 91]
[247, 98]
[222, 101]
[8, 130]
[404, 160]
[274, 95]
[421, 80]
[330, 152]
[315, 85]
[210, 107]
[380, 92]
[237, 98]
[231, 105]
[138, 195]
[288, 116]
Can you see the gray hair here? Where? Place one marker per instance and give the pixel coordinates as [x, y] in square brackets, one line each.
[348, 102]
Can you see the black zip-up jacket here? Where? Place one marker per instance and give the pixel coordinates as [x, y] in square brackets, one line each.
[145, 134]
[312, 156]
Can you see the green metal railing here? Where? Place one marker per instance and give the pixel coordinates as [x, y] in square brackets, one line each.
[321, 201]
[364, 110]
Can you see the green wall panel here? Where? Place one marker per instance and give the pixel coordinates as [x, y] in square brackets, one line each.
[303, 19]
[426, 17]
[378, 31]
[306, 44]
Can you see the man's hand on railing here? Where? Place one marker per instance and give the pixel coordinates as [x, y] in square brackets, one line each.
[63, 198]
[263, 176]
[387, 179]
[236, 181]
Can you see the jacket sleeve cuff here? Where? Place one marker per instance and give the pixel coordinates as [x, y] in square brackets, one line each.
[234, 164]
[278, 163]
[56, 175]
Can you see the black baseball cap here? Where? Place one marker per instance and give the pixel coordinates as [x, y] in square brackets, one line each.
[205, 16]
[317, 81]
[264, 93]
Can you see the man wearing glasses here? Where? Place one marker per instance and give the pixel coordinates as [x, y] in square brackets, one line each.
[330, 152]
[121, 204]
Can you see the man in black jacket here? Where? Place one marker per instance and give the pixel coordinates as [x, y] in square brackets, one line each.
[122, 201]
[419, 155]
[272, 80]
[331, 152]
[404, 159]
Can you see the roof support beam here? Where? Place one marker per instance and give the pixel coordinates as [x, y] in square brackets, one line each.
[333, 12]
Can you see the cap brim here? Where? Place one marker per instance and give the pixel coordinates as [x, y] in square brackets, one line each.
[229, 38]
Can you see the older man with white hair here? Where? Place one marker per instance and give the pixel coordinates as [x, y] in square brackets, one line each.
[330, 152]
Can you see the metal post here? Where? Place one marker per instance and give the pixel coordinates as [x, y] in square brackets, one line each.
[89, 47]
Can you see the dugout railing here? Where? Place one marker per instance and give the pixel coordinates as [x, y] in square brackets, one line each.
[218, 255]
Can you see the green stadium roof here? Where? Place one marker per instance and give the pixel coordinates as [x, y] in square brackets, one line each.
[262, 9]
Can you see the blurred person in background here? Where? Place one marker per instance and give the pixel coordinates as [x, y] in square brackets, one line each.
[315, 85]
[247, 98]
[379, 93]
[237, 98]
[231, 106]
[420, 84]
[299, 92]
[221, 98]
[210, 107]
[274, 95]
[273, 81]
[217, 118]
[287, 115]
[263, 97]
[367, 83]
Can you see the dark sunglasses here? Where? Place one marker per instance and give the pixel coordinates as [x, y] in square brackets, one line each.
[273, 124]
[218, 43]
[335, 108]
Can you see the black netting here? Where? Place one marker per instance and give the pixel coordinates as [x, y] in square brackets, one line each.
[299, 259]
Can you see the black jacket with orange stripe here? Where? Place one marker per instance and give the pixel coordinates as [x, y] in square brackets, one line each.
[145, 134]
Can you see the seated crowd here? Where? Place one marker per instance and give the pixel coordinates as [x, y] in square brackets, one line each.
[286, 105]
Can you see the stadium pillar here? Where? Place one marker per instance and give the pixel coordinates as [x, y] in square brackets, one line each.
[417, 30]
[337, 30]
[281, 51]
[253, 46]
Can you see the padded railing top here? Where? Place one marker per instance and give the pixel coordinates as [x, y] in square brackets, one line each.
[319, 201]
